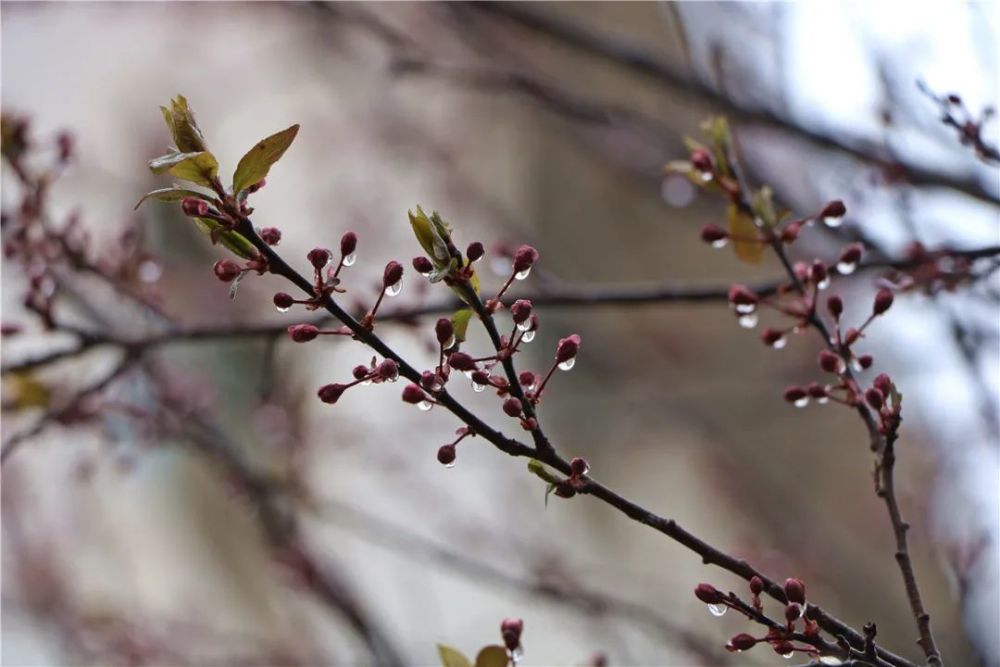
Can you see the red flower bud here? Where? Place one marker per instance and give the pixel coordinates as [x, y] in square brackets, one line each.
[422, 265]
[756, 585]
[481, 377]
[567, 348]
[360, 372]
[713, 234]
[741, 295]
[701, 160]
[413, 394]
[271, 235]
[772, 336]
[388, 370]
[830, 362]
[524, 258]
[836, 306]
[319, 257]
[851, 254]
[709, 594]
[460, 361]
[884, 384]
[816, 390]
[444, 331]
[793, 612]
[793, 394]
[875, 398]
[818, 272]
[393, 273]
[783, 648]
[834, 209]
[795, 590]
[303, 333]
[329, 393]
[520, 310]
[510, 630]
[741, 642]
[283, 301]
[475, 251]
[227, 270]
[194, 207]
[579, 467]
[883, 301]
[526, 378]
[866, 361]
[512, 407]
[446, 454]
[348, 244]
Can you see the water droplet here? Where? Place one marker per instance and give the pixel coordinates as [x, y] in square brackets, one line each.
[366, 383]
[449, 465]
[568, 364]
[846, 268]
[516, 654]
[833, 222]
[802, 402]
[476, 387]
[528, 336]
[468, 374]
[745, 308]
[525, 325]
[449, 343]
[677, 190]
[748, 321]
[831, 660]
[706, 176]
[150, 271]
[350, 259]
[521, 275]
[823, 284]
[282, 310]
[394, 289]
[823, 400]
[424, 406]
[720, 243]
[717, 609]
[856, 365]
[779, 343]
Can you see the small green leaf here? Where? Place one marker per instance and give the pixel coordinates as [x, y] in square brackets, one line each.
[492, 656]
[429, 234]
[460, 322]
[198, 168]
[233, 241]
[538, 469]
[451, 657]
[180, 119]
[743, 231]
[258, 160]
[173, 194]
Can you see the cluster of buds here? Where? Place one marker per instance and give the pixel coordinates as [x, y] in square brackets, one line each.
[577, 479]
[797, 625]
[374, 373]
[954, 113]
[886, 401]
[933, 271]
[229, 271]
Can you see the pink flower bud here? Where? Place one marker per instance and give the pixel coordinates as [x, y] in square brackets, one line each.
[741, 642]
[701, 160]
[194, 207]
[510, 630]
[524, 258]
[883, 301]
[829, 362]
[303, 333]
[481, 377]
[579, 467]
[771, 336]
[783, 647]
[360, 372]
[393, 273]
[884, 384]
[319, 257]
[444, 330]
[330, 393]
[475, 251]
[816, 390]
[756, 585]
[460, 361]
[271, 235]
[793, 612]
[429, 380]
[227, 270]
[512, 407]
[446, 454]
[741, 295]
[520, 310]
[413, 394]
[795, 590]
[283, 300]
[526, 378]
[708, 594]
[818, 272]
[422, 265]
[836, 306]
[388, 370]
[348, 244]
[875, 398]
[567, 348]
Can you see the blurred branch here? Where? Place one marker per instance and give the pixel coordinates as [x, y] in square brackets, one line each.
[970, 129]
[637, 60]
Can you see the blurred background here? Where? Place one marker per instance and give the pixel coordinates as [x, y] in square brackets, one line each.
[125, 540]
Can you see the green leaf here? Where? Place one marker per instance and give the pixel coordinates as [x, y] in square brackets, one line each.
[492, 656]
[538, 469]
[451, 657]
[174, 194]
[429, 234]
[743, 231]
[460, 322]
[258, 160]
[235, 242]
[180, 119]
[763, 206]
[198, 168]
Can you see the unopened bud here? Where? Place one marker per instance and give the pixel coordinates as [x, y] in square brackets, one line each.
[348, 244]
[567, 348]
[741, 642]
[829, 362]
[834, 209]
[461, 361]
[579, 466]
[194, 207]
[319, 257]
[227, 270]
[393, 273]
[851, 254]
[270, 235]
[512, 407]
[883, 301]
[884, 384]
[475, 251]
[360, 372]
[413, 394]
[793, 394]
[875, 398]
[329, 393]
[520, 310]
[283, 300]
[795, 590]
[422, 265]
[709, 594]
[836, 306]
[510, 630]
[388, 370]
[303, 333]
[741, 295]
[444, 331]
[446, 454]
[524, 258]
[713, 234]
[701, 160]
[756, 585]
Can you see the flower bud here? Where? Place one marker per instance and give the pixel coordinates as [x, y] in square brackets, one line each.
[227, 270]
[524, 258]
[388, 370]
[194, 207]
[512, 407]
[429, 380]
[283, 300]
[783, 647]
[795, 590]
[756, 585]
[461, 361]
[835, 305]
[834, 209]
[510, 630]
[475, 251]
[851, 336]
[303, 333]
[816, 390]
[741, 642]
[393, 273]
[851, 254]
[360, 372]
[481, 377]
[829, 362]
[348, 244]
[771, 336]
[422, 265]
[793, 394]
[520, 310]
[793, 612]
[741, 295]
[413, 394]
[875, 398]
[271, 235]
[329, 393]
[446, 454]
[713, 234]
[866, 361]
[319, 257]
[701, 160]
[579, 466]
[526, 378]
[818, 272]
[709, 594]
[444, 331]
[883, 301]
[884, 384]
[567, 348]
